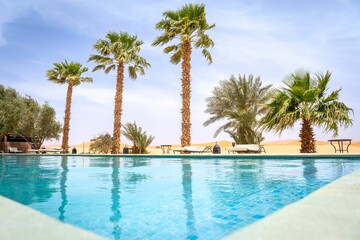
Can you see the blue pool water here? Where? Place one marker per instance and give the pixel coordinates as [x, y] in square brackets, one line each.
[163, 198]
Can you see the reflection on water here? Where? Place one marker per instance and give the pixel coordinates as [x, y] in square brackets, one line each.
[63, 178]
[115, 199]
[33, 182]
[309, 170]
[188, 200]
[166, 198]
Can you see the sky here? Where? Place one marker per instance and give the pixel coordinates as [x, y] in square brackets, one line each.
[270, 39]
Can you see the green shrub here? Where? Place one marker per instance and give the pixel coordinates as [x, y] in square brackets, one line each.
[102, 143]
[139, 138]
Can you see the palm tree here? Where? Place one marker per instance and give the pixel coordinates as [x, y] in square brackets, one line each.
[70, 73]
[189, 25]
[304, 98]
[238, 101]
[137, 136]
[116, 51]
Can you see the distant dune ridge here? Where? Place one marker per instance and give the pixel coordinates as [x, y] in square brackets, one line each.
[274, 147]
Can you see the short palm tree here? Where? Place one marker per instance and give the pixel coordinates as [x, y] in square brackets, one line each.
[305, 98]
[67, 73]
[240, 103]
[189, 25]
[137, 136]
[116, 51]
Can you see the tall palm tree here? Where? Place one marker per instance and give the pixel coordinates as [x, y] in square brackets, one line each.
[116, 51]
[238, 101]
[189, 25]
[70, 73]
[305, 98]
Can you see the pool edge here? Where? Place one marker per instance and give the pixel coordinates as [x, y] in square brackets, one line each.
[331, 212]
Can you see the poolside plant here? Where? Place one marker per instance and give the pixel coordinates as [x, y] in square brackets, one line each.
[115, 52]
[188, 25]
[239, 103]
[304, 98]
[67, 73]
[137, 136]
[102, 143]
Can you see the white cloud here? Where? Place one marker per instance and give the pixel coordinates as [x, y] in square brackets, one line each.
[101, 96]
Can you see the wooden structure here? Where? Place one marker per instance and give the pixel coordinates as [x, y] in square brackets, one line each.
[9, 141]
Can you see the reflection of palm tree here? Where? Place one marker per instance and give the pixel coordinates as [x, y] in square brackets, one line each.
[187, 196]
[115, 197]
[63, 178]
[309, 171]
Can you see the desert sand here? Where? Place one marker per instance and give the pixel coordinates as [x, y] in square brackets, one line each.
[275, 147]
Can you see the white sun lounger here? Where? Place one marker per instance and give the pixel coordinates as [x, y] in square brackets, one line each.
[246, 148]
[14, 150]
[193, 149]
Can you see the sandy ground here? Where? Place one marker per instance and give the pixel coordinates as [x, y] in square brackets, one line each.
[277, 147]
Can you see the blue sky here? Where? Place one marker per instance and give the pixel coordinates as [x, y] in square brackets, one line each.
[269, 39]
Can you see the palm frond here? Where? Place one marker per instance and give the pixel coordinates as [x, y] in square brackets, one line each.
[187, 23]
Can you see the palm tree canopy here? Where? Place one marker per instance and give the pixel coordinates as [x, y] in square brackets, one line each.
[65, 71]
[306, 98]
[238, 101]
[119, 48]
[186, 24]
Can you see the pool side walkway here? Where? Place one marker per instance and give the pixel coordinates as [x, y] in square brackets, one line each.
[331, 212]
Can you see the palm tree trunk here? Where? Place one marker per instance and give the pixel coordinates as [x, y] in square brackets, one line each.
[118, 108]
[66, 129]
[186, 91]
[307, 138]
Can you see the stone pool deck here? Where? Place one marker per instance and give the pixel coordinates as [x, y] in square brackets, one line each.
[332, 212]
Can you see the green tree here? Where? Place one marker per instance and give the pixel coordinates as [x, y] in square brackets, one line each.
[137, 136]
[11, 106]
[116, 51]
[240, 103]
[46, 126]
[189, 25]
[24, 116]
[305, 98]
[70, 74]
[102, 143]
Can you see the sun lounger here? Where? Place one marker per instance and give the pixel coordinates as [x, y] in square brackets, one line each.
[14, 150]
[51, 150]
[46, 150]
[193, 149]
[246, 148]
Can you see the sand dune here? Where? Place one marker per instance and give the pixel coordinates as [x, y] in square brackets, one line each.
[291, 146]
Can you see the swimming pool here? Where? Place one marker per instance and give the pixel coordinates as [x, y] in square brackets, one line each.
[164, 198]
